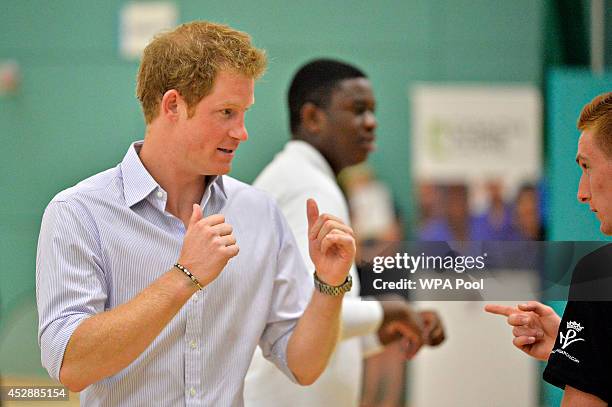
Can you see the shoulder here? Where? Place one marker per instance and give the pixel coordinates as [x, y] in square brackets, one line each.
[599, 259]
[96, 186]
[592, 277]
[76, 207]
[284, 168]
[297, 162]
[253, 207]
[247, 196]
[290, 177]
[236, 189]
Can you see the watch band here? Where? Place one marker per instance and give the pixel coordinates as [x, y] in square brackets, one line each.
[333, 290]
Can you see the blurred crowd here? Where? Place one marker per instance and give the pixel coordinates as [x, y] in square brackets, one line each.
[490, 211]
[445, 213]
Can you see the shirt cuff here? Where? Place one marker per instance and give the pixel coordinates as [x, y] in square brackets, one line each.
[276, 352]
[54, 340]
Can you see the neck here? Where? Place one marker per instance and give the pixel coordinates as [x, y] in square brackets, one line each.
[184, 188]
[320, 146]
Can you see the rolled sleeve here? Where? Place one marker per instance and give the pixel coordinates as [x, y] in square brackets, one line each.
[70, 284]
[292, 290]
[274, 345]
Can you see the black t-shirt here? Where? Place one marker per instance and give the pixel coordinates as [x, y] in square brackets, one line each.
[582, 354]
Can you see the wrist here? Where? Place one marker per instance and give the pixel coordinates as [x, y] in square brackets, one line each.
[188, 274]
[184, 284]
[333, 290]
[328, 303]
[177, 286]
[332, 279]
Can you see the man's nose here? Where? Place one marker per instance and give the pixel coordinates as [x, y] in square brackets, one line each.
[239, 132]
[370, 121]
[584, 193]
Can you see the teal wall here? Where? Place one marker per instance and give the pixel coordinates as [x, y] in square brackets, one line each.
[76, 113]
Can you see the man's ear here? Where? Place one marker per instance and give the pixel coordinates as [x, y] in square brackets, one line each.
[170, 104]
[313, 118]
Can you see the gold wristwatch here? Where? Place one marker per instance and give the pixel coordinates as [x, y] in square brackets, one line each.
[333, 290]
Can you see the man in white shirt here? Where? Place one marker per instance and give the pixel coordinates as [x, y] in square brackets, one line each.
[332, 124]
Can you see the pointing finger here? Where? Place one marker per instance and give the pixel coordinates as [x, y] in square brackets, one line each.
[500, 309]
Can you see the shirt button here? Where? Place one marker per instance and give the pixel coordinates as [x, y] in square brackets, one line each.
[193, 345]
[160, 194]
[192, 391]
[195, 297]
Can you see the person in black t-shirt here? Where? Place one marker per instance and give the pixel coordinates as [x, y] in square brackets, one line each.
[578, 347]
[582, 355]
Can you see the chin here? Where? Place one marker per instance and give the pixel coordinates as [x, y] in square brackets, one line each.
[359, 158]
[222, 170]
[606, 228]
[364, 154]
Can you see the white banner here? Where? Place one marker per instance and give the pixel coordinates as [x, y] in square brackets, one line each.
[463, 133]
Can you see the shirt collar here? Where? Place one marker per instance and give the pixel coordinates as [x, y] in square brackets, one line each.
[312, 155]
[138, 183]
[217, 180]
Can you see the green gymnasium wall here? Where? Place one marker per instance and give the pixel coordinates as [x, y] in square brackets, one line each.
[75, 113]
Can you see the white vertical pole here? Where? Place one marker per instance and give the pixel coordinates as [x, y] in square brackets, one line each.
[597, 36]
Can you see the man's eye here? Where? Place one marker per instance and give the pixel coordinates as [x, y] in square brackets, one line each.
[226, 112]
[359, 109]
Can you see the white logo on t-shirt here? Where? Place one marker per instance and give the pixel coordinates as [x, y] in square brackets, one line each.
[573, 328]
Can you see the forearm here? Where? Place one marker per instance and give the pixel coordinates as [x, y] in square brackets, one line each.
[314, 338]
[573, 397]
[106, 343]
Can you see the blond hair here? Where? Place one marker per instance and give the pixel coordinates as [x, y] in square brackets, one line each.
[188, 60]
[597, 116]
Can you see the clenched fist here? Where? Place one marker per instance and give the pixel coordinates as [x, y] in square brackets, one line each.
[208, 246]
[413, 328]
[331, 245]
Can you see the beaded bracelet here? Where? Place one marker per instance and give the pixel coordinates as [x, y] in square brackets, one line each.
[188, 274]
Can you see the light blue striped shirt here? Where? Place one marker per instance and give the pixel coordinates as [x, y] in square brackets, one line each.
[107, 238]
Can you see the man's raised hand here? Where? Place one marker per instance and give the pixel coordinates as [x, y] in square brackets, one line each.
[208, 245]
[331, 245]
